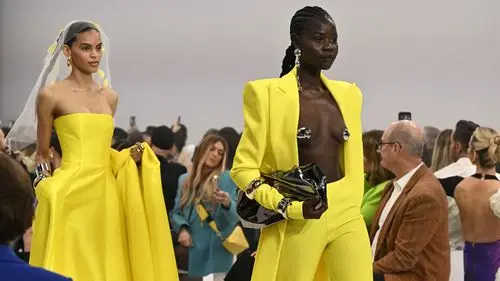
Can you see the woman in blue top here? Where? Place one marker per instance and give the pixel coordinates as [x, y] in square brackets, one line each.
[208, 184]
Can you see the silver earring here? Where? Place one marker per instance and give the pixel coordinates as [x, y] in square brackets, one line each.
[297, 54]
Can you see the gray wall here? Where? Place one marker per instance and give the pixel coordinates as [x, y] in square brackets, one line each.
[438, 59]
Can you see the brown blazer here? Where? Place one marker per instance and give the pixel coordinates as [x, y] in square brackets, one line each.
[413, 243]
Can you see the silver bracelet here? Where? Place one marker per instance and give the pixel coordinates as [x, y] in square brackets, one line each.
[283, 206]
[252, 186]
[42, 170]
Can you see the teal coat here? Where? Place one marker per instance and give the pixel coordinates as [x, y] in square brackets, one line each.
[207, 255]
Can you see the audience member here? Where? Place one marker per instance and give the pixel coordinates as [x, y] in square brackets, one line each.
[430, 136]
[441, 154]
[206, 188]
[461, 166]
[410, 231]
[450, 176]
[481, 228]
[119, 136]
[16, 214]
[376, 176]
[3, 141]
[162, 143]
[232, 138]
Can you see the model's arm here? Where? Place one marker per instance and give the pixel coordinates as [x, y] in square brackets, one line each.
[250, 151]
[45, 106]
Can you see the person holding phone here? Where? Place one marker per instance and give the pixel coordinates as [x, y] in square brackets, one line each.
[209, 185]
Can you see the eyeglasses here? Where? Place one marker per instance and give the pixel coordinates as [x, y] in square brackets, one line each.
[380, 145]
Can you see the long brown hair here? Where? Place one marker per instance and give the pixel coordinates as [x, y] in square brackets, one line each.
[200, 183]
[377, 174]
[16, 199]
[441, 156]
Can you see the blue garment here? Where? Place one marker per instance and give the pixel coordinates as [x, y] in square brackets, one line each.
[207, 255]
[14, 269]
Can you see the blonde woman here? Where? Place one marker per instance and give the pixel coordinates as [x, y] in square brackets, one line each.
[441, 155]
[481, 228]
[209, 185]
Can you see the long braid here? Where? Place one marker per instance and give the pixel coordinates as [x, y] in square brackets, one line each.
[288, 61]
[297, 24]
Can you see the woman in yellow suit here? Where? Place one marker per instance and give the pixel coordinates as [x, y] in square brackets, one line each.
[298, 119]
[100, 216]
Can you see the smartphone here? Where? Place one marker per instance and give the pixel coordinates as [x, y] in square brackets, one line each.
[132, 121]
[404, 115]
[179, 119]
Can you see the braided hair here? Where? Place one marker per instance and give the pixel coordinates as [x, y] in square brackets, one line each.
[297, 25]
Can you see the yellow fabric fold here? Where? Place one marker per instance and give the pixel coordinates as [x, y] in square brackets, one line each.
[148, 230]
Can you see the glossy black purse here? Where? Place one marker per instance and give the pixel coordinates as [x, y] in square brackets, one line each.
[298, 184]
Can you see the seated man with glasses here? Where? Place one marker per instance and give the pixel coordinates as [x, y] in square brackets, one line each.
[409, 233]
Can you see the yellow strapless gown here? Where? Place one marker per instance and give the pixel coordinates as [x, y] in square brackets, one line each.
[100, 218]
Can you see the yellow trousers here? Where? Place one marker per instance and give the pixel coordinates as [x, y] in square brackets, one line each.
[335, 247]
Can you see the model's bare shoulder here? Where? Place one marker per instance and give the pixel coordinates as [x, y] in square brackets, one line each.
[48, 94]
[111, 96]
[58, 89]
[110, 93]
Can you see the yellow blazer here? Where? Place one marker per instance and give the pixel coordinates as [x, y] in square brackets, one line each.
[269, 143]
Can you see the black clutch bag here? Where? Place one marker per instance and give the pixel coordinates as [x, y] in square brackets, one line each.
[298, 184]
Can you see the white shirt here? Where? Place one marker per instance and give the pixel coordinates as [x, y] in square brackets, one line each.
[495, 204]
[463, 167]
[399, 186]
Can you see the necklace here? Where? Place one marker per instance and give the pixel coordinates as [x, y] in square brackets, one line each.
[345, 132]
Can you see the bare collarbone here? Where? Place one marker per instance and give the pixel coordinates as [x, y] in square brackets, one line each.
[69, 99]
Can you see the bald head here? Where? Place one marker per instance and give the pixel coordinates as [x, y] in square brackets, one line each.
[408, 135]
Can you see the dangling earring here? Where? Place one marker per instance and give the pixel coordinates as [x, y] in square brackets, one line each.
[297, 54]
[68, 62]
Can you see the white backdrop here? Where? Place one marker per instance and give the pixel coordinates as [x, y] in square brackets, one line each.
[438, 59]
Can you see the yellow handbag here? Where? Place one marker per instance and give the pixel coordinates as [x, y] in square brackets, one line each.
[235, 243]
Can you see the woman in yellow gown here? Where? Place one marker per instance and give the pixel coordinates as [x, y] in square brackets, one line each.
[100, 216]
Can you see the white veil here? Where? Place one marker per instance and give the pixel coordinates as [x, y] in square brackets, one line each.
[23, 132]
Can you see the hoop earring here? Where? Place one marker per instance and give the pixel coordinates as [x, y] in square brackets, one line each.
[68, 62]
[297, 54]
